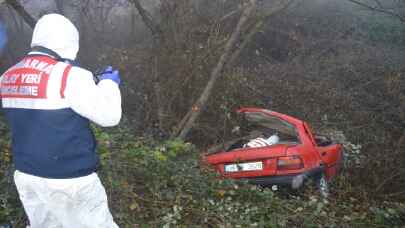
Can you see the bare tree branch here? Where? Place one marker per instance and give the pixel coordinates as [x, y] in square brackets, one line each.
[22, 12]
[379, 9]
[256, 28]
[148, 20]
[230, 14]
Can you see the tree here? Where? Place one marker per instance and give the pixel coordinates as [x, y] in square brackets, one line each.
[188, 121]
[158, 40]
[230, 54]
[211, 40]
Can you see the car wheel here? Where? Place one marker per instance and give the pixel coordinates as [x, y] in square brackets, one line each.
[323, 186]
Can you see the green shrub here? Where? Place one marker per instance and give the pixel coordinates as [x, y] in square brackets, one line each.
[10, 206]
[164, 184]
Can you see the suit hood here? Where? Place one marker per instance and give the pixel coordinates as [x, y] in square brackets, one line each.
[56, 32]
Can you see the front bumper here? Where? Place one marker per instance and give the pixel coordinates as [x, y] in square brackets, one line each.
[294, 181]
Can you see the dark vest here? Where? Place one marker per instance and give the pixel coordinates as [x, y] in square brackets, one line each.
[48, 138]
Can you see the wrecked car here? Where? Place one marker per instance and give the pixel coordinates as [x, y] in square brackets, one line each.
[278, 150]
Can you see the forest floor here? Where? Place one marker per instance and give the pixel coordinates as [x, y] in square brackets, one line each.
[163, 184]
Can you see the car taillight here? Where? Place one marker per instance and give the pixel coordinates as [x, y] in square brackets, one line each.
[289, 162]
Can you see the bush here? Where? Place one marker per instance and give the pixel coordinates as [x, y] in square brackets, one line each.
[10, 206]
[164, 184]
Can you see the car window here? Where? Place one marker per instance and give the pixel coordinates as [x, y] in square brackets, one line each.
[269, 125]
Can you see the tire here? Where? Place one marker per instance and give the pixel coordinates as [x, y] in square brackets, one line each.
[323, 186]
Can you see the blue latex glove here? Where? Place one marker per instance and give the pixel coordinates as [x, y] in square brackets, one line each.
[3, 36]
[112, 75]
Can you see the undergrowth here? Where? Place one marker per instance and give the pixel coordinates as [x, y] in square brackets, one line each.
[164, 184]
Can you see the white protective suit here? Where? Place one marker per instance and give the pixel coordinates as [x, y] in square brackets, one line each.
[76, 202]
[261, 142]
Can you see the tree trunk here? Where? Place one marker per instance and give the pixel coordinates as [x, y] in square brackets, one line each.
[158, 40]
[22, 12]
[201, 103]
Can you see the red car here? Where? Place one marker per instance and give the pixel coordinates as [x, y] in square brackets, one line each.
[294, 157]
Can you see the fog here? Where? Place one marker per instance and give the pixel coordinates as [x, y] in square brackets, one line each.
[337, 64]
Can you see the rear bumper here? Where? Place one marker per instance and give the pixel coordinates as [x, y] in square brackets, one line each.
[294, 181]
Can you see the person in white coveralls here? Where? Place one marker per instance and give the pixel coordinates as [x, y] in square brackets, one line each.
[49, 102]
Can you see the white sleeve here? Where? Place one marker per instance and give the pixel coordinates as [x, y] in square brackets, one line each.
[99, 103]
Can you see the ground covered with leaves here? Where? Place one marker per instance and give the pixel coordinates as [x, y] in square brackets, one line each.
[164, 184]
